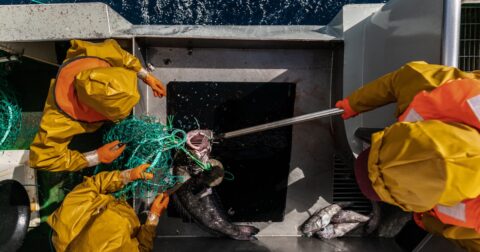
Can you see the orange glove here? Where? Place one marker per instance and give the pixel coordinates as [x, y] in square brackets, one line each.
[417, 217]
[157, 86]
[109, 152]
[160, 204]
[139, 173]
[136, 173]
[348, 111]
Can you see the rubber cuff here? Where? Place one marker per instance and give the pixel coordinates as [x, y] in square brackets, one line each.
[152, 219]
[125, 176]
[92, 158]
[142, 74]
[348, 109]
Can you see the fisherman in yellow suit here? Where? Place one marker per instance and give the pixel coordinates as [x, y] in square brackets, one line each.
[91, 219]
[96, 83]
[428, 162]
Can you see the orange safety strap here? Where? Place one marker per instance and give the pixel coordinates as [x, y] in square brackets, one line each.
[454, 101]
[65, 96]
[465, 214]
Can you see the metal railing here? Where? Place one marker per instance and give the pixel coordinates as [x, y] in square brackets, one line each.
[451, 32]
[469, 54]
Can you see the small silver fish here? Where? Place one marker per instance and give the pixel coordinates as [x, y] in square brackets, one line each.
[347, 216]
[319, 219]
[336, 230]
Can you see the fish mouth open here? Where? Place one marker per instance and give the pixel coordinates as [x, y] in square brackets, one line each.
[199, 143]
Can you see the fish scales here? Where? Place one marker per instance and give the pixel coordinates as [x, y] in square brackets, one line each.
[348, 216]
[201, 204]
[336, 230]
[320, 219]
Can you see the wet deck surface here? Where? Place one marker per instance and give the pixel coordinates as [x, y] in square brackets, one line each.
[275, 244]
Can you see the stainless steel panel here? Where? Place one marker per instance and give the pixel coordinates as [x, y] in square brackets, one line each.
[310, 184]
[47, 22]
[451, 32]
[400, 32]
[59, 21]
[250, 32]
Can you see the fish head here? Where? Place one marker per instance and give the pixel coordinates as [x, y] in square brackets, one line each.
[312, 225]
[320, 218]
[199, 143]
[327, 232]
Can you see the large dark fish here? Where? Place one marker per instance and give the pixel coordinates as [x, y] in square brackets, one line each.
[200, 203]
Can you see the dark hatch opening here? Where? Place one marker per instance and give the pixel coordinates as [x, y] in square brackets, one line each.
[260, 162]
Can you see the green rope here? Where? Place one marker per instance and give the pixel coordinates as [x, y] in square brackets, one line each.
[229, 176]
[205, 167]
[10, 114]
[9, 125]
[147, 141]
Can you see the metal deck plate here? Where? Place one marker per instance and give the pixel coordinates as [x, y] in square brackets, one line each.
[310, 182]
[280, 244]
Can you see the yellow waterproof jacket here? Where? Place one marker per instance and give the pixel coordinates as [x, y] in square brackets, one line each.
[416, 165]
[49, 150]
[91, 219]
[402, 85]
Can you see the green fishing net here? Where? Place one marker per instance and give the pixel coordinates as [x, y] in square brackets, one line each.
[147, 141]
[10, 114]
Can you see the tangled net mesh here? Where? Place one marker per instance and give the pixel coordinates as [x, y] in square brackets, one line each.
[147, 141]
[10, 114]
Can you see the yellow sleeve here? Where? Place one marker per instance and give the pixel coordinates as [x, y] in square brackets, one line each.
[49, 150]
[108, 50]
[476, 73]
[145, 237]
[402, 85]
[466, 238]
[80, 205]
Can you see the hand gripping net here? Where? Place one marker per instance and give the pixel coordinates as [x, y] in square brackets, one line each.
[147, 141]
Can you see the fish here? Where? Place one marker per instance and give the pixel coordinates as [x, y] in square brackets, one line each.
[320, 219]
[197, 200]
[336, 230]
[347, 216]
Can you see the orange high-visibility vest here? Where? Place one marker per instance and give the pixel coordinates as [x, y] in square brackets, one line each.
[465, 214]
[454, 101]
